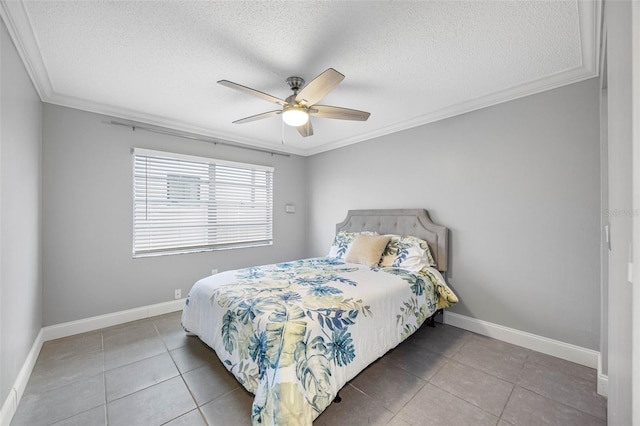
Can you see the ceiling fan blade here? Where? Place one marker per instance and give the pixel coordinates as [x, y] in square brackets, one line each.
[306, 129]
[326, 111]
[253, 92]
[258, 117]
[319, 87]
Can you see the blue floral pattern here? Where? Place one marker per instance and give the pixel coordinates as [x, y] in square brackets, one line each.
[290, 332]
[407, 252]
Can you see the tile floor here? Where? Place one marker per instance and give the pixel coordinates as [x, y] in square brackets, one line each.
[150, 373]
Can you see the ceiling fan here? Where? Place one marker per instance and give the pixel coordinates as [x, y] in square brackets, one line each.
[297, 108]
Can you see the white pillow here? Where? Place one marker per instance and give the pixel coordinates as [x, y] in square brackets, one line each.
[407, 252]
[342, 241]
[367, 249]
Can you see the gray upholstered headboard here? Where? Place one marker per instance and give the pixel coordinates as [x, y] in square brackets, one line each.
[414, 222]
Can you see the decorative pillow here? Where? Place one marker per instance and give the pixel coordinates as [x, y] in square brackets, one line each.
[407, 252]
[342, 241]
[367, 249]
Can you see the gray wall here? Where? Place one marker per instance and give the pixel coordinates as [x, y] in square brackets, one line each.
[519, 186]
[87, 225]
[20, 214]
[617, 27]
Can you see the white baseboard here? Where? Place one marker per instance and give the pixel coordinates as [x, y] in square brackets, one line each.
[577, 354]
[566, 351]
[68, 329]
[102, 321]
[15, 394]
[603, 380]
[603, 385]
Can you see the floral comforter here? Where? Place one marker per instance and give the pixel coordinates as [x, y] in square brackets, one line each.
[294, 333]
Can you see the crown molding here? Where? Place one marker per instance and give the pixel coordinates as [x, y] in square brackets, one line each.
[589, 14]
[19, 26]
[530, 88]
[167, 123]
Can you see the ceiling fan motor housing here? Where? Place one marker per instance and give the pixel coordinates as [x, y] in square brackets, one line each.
[295, 83]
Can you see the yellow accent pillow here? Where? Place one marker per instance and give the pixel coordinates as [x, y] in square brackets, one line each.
[367, 249]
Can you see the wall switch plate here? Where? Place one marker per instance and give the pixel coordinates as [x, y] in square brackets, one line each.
[630, 272]
[177, 294]
[290, 208]
[214, 271]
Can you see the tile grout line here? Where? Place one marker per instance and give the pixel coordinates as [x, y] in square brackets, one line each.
[426, 382]
[182, 378]
[411, 399]
[92, 408]
[506, 403]
[515, 384]
[450, 359]
[562, 403]
[464, 400]
[462, 362]
[447, 359]
[139, 390]
[548, 397]
[70, 383]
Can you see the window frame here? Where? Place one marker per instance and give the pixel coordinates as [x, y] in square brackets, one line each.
[215, 168]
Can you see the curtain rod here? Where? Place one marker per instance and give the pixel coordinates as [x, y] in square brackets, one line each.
[165, 131]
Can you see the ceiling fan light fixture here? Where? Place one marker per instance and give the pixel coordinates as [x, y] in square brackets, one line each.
[295, 116]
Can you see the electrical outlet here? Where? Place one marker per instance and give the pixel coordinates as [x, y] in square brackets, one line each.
[178, 294]
[214, 271]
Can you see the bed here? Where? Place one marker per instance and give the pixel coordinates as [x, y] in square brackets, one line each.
[294, 333]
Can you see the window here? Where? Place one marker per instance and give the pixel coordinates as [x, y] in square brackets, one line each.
[185, 204]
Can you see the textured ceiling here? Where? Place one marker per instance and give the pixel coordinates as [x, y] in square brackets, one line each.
[408, 63]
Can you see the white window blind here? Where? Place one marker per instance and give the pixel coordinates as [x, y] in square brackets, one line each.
[184, 204]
